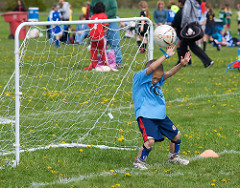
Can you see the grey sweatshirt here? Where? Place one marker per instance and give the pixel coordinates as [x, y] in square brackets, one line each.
[190, 12]
[65, 11]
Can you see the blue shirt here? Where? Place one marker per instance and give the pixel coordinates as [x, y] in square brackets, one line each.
[82, 27]
[148, 99]
[160, 16]
[56, 16]
[171, 16]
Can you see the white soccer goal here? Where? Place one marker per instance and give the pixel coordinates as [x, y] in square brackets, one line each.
[54, 102]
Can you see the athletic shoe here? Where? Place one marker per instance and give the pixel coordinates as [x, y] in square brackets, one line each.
[142, 50]
[139, 164]
[210, 64]
[175, 159]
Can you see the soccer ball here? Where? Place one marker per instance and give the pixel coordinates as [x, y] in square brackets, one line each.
[164, 36]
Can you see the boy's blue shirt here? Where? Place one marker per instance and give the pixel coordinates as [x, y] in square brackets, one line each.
[148, 99]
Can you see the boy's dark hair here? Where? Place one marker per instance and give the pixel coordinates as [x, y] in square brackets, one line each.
[182, 1]
[150, 62]
[99, 8]
[169, 6]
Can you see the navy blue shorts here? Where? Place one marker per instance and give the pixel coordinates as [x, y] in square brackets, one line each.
[157, 128]
[209, 31]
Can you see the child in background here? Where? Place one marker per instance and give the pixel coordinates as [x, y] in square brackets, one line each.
[71, 13]
[171, 15]
[82, 31]
[229, 15]
[56, 30]
[97, 32]
[209, 30]
[143, 27]
[150, 109]
[223, 16]
[238, 18]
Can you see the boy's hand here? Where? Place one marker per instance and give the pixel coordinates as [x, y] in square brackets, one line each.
[186, 59]
[170, 51]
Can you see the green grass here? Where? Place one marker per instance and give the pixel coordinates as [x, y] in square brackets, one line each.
[203, 103]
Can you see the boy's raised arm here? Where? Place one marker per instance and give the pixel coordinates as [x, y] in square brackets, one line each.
[154, 66]
[175, 69]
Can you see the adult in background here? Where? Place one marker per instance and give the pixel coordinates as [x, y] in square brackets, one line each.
[65, 11]
[160, 14]
[20, 6]
[190, 14]
[113, 34]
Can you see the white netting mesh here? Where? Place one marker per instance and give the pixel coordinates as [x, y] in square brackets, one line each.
[62, 103]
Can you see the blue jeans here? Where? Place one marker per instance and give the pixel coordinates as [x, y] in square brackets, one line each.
[80, 37]
[113, 37]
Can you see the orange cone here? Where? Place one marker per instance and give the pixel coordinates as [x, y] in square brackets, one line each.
[209, 153]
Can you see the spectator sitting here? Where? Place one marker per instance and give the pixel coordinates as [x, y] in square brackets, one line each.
[160, 14]
[226, 39]
[97, 32]
[82, 31]
[20, 6]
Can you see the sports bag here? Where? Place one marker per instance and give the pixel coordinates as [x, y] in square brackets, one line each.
[192, 31]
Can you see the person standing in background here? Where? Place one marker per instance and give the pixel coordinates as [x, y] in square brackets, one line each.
[143, 27]
[238, 18]
[113, 34]
[65, 10]
[160, 14]
[209, 30]
[189, 14]
[71, 13]
[229, 15]
[174, 7]
[20, 6]
[223, 16]
[171, 15]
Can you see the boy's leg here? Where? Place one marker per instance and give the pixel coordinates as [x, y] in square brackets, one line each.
[174, 151]
[143, 154]
[150, 132]
[169, 130]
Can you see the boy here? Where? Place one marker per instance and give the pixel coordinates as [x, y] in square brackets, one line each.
[150, 110]
[97, 32]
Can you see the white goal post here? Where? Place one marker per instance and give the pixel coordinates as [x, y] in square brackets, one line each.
[74, 83]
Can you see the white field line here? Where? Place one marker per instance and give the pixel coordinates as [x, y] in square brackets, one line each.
[79, 178]
[82, 112]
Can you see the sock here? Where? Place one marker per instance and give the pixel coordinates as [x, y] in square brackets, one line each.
[139, 43]
[145, 46]
[145, 153]
[177, 148]
[57, 43]
[204, 46]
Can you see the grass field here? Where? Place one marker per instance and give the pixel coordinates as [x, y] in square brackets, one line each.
[203, 103]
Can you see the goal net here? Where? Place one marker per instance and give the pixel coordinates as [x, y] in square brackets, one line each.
[60, 103]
